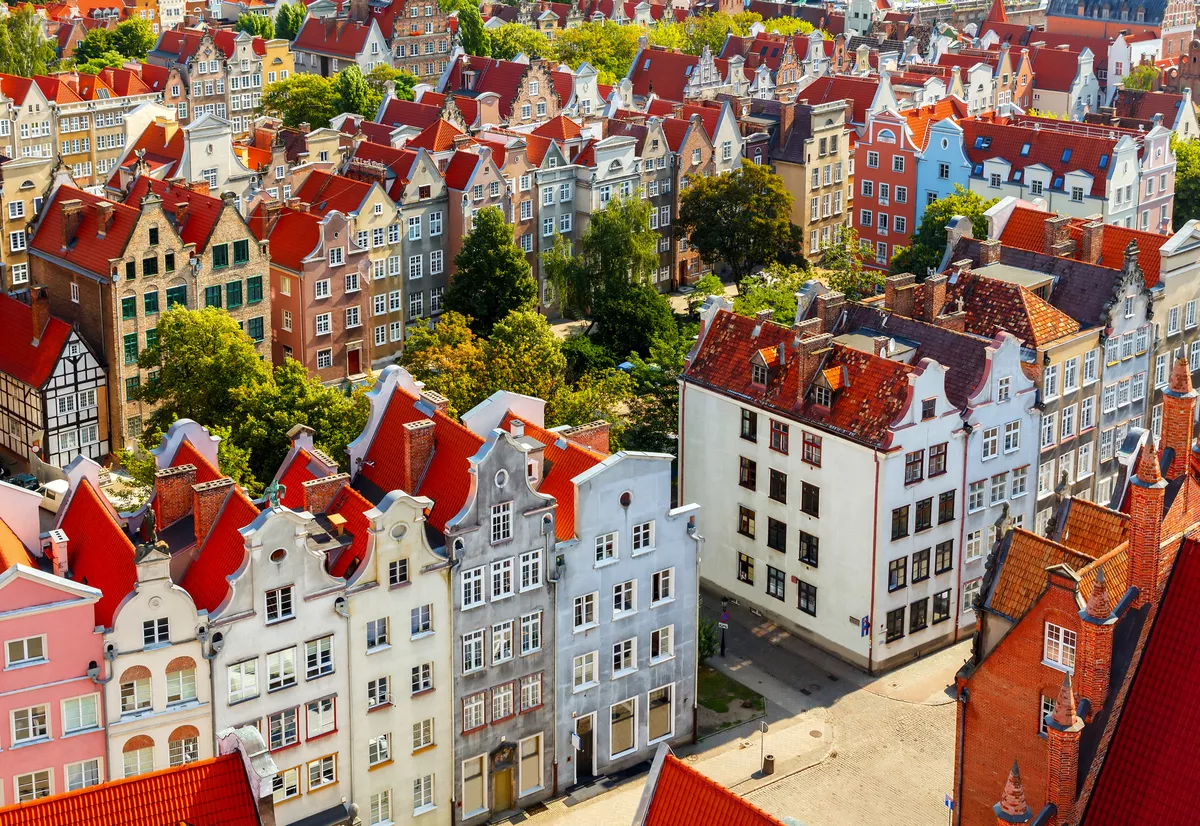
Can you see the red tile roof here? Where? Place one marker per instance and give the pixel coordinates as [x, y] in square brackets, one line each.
[407, 113]
[860, 91]
[500, 76]
[203, 211]
[56, 90]
[993, 305]
[1025, 229]
[1047, 146]
[1093, 529]
[460, 169]
[437, 137]
[1055, 69]
[1151, 770]
[566, 461]
[684, 795]
[560, 128]
[468, 106]
[923, 117]
[20, 357]
[447, 480]
[325, 191]
[162, 142]
[12, 552]
[662, 72]
[1135, 103]
[293, 478]
[214, 792]
[398, 161]
[337, 37]
[875, 391]
[352, 505]
[1022, 572]
[15, 87]
[294, 236]
[88, 251]
[126, 82]
[100, 553]
[207, 579]
[186, 454]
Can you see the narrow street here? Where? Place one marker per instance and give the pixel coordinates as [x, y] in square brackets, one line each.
[850, 749]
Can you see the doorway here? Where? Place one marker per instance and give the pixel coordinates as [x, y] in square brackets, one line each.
[354, 362]
[502, 790]
[585, 756]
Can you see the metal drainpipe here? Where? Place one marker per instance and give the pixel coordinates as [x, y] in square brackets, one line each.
[962, 527]
[343, 609]
[963, 697]
[549, 545]
[699, 540]
[104, 708]
[874, 575]
[212, 678]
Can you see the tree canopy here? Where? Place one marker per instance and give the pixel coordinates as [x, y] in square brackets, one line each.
[742, 218]
[843, 267]
[352, 93]
[772, 289]
[607, 46]
[130, 40]
[259, 25]
[1144, 76]
[24, 49]
[301, 98]
[471, 34]
[289, 19]
[708, 29]
[512, 39]
[929, 242]
[210, 371]
[378, 78]
[1187, 180]
[493, 276]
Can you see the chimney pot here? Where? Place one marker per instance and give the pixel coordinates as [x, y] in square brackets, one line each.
[173, 493]
[207, 499]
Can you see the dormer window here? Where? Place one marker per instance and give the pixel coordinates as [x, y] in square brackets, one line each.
[822, 396]
[758, 374]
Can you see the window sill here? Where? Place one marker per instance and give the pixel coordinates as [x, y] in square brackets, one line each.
[605, 563]
[641, 552]
[625, 614]
[579, 689]
[31, 664]
[424, 810]
[662, 602]
[422, 692]
[379, 706]
[1057, 666]
[423, 749]
[322, 736]
[582, 629]
[284, 748]
[660, 660]
[622, 674]
[422, 635]
[379, 765]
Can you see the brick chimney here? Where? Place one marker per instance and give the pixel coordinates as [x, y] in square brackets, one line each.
[989, 253]
[58, 553]
[1179, 410]
[1091, 241]
[1056, 239]
[436, 400]
[207, 499]
[104, 216]
[593, 436]
[1146, 493]
[39, 306]
[173, 493]
[1063, 728]
[934, 296]
[1012, 807]
[810, 352]
[787, 116]
[320, 493]
[72, 214]
[898, 294]
[199, 186]
[181, 214]
[829, 306]
[416, 450]
[1094, 660]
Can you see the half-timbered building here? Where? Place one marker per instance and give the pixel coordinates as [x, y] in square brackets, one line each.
[53, 392]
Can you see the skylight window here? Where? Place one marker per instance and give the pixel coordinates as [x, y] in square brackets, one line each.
[1104, 161]
[978, 169]
[1058, 182]
[1066, 155]
[1025, 147]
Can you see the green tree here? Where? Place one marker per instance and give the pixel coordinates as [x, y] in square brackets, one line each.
[773, 289]
[708, 640]
[512, 39]
[843, 267]
[203, 360]
[585, 356]
[1144, 76]
[301, 98]
[259, 25]
[523, 355]
[630, 318]
[788, 26]
[742, 218]
[1187, 179]
[669, 34]
[929, 243]
[709, 284]
[352, 93]
[289, 20]
[653, 418]
[607, 46]
[493, 275]
[108, 60]
[617, 249]
[134, 38]
[95, 44]
[24, 49]
[378, 78]
[448, 357]
[566, 276]
[711, 29]
[602, 394]
[471, 35]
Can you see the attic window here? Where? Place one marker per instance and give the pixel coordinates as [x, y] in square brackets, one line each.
[646, 65]
[1016, 176]
[1058, 182]
[978, 170]
[822, 396]
[1103, 162]
[688, 71]
[1066, 155]
[982, 142]
[1025, 147]
[758, 374]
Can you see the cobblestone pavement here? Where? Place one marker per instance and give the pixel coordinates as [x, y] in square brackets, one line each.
[850, 749]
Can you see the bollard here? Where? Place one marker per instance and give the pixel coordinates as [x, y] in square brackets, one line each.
[768, 766]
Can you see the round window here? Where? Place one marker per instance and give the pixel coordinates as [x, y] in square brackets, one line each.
[501, 478]
[399, 531]
[945, 143]
[278, 555]
[626, 498]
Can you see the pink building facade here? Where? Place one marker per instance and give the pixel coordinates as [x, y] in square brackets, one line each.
[53, 738]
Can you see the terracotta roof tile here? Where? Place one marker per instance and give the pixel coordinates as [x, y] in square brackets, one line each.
[326, 191]
[460, 169]
[203, 211]
[407, 113]
[1022, 574]
[298, 471]
[88, 251]
[399, 163]
[993, 305]
[214, 792]
[207, 579]
[684, 795]
[566, 460]
[161, 142]
[294, 236]
[20, 357]
[860, 91]
[1023, 146]
[186, 454]
[1093, 529]
[1142, 105]
[437, 137]
[1151, 770]
[332, 36]
[12, 552]
[352, 505]
[100, 553]
[560, 128]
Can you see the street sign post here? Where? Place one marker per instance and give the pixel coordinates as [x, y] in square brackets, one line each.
[866, 625]
[723, 625]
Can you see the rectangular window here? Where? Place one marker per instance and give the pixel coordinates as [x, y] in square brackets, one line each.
[585, 612]
[661, 586]
[920, 565]
[531, 569]
[900, 522]
[749, 425]
[914, 465]
[378, 692]
[745, 570]
[895, 624]
[502, 579]
[279, 604]
[622, 727]
[422, 678]
[812, 449]
[531, 633]
[779, 436]
[472, 651]
[924, 516]
[748, 473]
[775, 583]
[897, 573]
[584, 671]
[501, 523]
[810, 499]
[1059, 647]
[937, 459]
[776, 535]
[420, 621]
[778, 486]
[243, 680]
[746, 520]
[281, 669]
[918, 616]
[318, 657]
[946, 507]
[472, 587]
[322, 772]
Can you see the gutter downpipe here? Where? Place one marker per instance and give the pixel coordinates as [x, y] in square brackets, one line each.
[962, 527]
[110, 656]
[874, 550]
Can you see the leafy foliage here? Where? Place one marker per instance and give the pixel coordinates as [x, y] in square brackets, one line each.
[1144, 76]
[301, 98]
[585, 356]
[618, 248]
[709, 639]
[743, 218]
[607, 46]
[654, 409]
[630, 319]
[130, 40]
[929, 243]
[259, 25]
[844, 269]
[493, 275]
[698, 31]
[289, 19]
[108, 60]
[788, 26]
[134, 38]
[209, 371]
[24, 49]
[378, 78]
[1187, 179]
[773, 289]
[709, 284]
[471, 35]
[352, 93]
[512, 39]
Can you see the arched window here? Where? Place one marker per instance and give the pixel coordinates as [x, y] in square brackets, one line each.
[135, 689]
[138, 755]
[886, 136]
[183, 746]
[181, 680]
